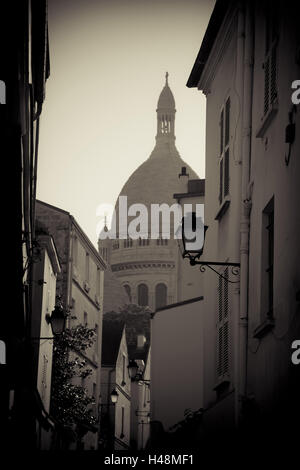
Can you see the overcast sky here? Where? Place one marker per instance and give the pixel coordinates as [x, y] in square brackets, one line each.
[108, 61]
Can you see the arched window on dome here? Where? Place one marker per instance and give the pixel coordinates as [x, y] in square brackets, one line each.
[128, 291]
[143, 295]
[160, 295]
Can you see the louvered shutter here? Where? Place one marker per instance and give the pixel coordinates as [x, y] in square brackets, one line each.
[226, 172]
[221, 132]
[273, 74]
[227, 121]
[221, 181]
[267, 80]
[225, 324]
[223, 327]
[220, 329]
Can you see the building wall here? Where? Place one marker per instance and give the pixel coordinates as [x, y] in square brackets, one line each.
[46, 346]
[271, 375]
[140, 406]
[220, 81]
[81, 287]
[272, 379]
[114, 420]
[176, 362]
[123, 386]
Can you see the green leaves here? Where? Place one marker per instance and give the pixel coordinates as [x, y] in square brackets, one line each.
[70, 402]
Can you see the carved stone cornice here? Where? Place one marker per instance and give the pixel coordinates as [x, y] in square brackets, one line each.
[143, 265]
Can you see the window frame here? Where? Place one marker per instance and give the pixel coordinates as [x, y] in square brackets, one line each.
[224, 151]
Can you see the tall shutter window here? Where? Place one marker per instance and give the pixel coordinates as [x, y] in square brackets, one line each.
[224, 160]
[221, 181]
[223, 327]
[227, 121]
[226, 173]
[270, 60]
[221, 131]
[44, 376]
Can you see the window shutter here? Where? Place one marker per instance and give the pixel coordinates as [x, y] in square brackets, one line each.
[221, 132]
[273, 74]
[225, 348]
[223, 327]
[220, 329]
[225, 295]
[267, 72]
[220, 352]
[221, 181]
[227, 121]
[226, 173]
[220, 299]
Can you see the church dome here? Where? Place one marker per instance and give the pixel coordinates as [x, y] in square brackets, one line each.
[157, 179]
[147, 267]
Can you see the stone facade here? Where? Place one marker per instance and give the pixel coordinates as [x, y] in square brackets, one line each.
[80, 284]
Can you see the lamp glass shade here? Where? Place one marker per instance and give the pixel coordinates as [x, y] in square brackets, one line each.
[132, 369]
[114, 396]
[57, 320]
[193, 234]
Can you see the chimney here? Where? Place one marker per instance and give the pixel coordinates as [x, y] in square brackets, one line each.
[183, 178]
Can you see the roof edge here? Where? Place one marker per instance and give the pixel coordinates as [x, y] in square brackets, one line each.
[215, 22]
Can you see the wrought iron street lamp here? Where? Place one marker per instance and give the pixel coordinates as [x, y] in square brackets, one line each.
[191, 244]
[133, 372]
[114, 396]
[57, 320]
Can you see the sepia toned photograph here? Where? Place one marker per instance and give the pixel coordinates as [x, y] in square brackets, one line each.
[152, 225]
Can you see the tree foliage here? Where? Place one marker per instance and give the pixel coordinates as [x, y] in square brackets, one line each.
[70, 403]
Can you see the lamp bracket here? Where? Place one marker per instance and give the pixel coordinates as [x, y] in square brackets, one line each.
[234, 267]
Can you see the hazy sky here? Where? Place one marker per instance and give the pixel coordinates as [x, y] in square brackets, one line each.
[108, 60]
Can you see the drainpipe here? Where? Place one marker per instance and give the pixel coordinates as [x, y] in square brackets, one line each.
[245, 206]
[237, 152]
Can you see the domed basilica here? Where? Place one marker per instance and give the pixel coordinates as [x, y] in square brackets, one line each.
[147, 268]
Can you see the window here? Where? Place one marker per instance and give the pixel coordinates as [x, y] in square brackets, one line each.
[128, 243]
[267, 260]
[44, 376]
[87, 267]
[115, 245]
[142, 295]
[75, 251]
[97, 338]
[94, 406]
[162, 241]
[270, 60]
[123, 369]
[160, 295]
[2, 92]
[224, 151]
[223, 327]
[144, 241]
[128, 291]
[122, 422]
[98, 281]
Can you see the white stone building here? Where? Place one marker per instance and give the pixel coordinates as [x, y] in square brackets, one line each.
[148, 268]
